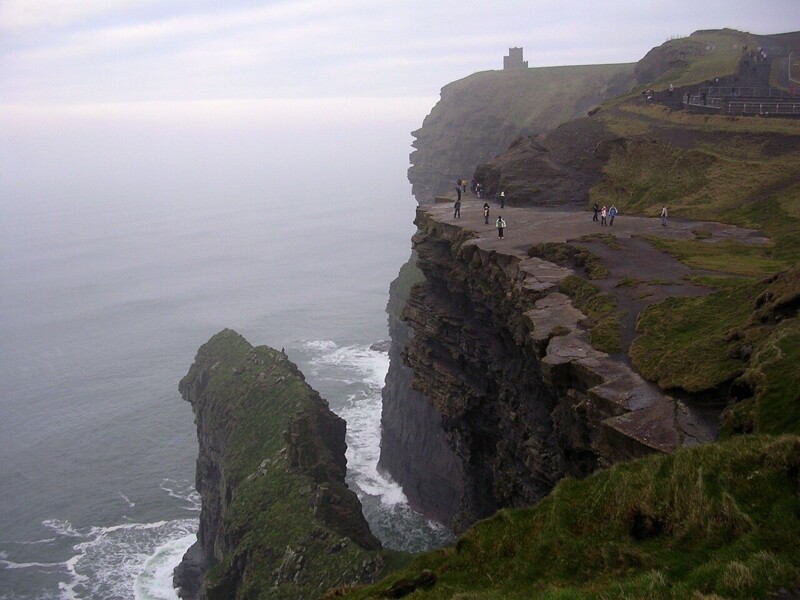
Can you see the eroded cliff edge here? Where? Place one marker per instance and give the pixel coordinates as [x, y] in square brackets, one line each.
[476, 118]
[504, 357]
[277, 519]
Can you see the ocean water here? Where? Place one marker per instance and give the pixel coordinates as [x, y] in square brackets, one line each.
[117, 261]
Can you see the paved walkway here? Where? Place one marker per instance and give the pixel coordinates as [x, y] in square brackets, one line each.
[526, 226]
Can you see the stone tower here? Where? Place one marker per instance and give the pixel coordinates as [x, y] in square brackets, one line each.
[514, 59]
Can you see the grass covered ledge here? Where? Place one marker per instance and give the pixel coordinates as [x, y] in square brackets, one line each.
[720, 520]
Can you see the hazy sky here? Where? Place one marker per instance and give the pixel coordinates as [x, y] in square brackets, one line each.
[78, 52]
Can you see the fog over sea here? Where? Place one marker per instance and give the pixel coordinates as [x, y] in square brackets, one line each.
[126, 241]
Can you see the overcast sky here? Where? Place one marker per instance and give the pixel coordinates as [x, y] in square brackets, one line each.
[56, 52]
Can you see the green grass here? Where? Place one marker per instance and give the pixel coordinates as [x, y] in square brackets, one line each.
[561, 253]
[679, 332]
[744, 336]
[715, 54]
[605, 328]
[246, 398]
[720, 519]
[731, 257]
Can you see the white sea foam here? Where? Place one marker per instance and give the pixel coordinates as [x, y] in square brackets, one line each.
[352, 378]
[130, 503]
[7, 564]
[121, 561]
[182, 491]
[155, 580]
[319, 345]
[112, 561]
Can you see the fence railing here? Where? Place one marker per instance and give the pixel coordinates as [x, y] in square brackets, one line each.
[762, 108]
[705, 102]
[752, 106]
[744, 92]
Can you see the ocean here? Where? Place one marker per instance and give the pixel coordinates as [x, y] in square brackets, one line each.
[123, 248]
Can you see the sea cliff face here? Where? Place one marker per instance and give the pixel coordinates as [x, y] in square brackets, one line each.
[277, 519]
[476, 118]
[523, 397]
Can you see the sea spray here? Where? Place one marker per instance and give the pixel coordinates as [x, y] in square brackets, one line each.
[351, 378]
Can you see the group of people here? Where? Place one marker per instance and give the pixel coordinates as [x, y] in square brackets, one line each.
[606, 215]
[602, 214]
[500, 224]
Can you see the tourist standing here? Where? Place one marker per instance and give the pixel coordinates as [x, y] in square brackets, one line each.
[458, 190]
[612, 212]
[457, 209]
[603, 213]
[502, 200]
[664, 216]
[501, 225]
[596, 209]
[486, 212]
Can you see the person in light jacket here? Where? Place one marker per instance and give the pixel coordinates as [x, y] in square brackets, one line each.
[501, 225]
[664, 215]
[612, 212]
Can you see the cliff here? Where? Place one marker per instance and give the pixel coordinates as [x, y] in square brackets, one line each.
[476, 118]
[506, 359]
[479, 116]
[516, 412]
[277, 519]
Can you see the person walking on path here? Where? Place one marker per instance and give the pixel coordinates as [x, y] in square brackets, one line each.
[603, 213]
[486, 212]
[612, 212]
[457, 209]
[664, 216]
[596, 209]
[502, 200]
[458, 190]
[501, 225]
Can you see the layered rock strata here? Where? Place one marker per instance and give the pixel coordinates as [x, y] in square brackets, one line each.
[277, 519]
[413, 444]
[523, 397]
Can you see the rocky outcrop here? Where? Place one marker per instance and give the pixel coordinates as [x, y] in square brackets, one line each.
[277, 519]
[523, 397]
[479, 116]
[554, 169]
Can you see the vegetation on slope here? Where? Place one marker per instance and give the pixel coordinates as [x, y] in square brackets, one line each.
[276, 539]
[721, 520]
[746, 175]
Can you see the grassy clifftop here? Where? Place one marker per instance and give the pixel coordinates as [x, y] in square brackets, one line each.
[718, 521]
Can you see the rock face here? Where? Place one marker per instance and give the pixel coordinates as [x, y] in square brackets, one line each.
[277, 519]
[413, 444]
[479, 116]
[553, 169]
[476, 119]
[523, 397]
